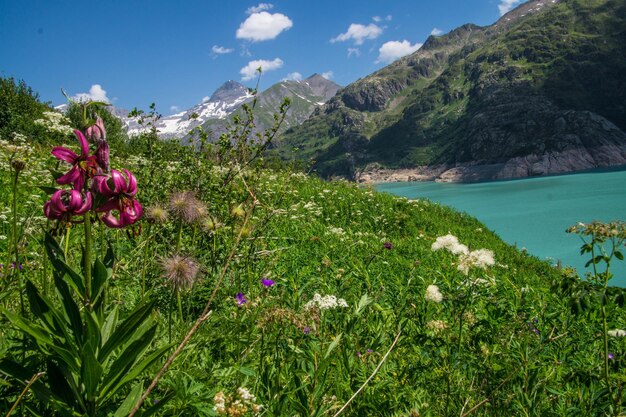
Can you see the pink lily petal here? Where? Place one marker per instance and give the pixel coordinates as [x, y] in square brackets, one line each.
[119, 183]
[73, 176]
[131, 214]
[84, 145]
[102, 155]
[110, 220]
[112, 204]
[75, 200]
[64, 154]
[131, 190]
[86, 205]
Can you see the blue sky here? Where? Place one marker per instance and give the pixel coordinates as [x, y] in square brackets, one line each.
[176, 53]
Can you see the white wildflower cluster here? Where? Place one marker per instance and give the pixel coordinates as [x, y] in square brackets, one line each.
[436, 325]
[55, 122]
[617, 333]
[326, 302]
[303, 211]
[242, 404]
[433, 294]
[336, 231]
[450, 243]
[480, 258]
[300, 175]
[17, 146]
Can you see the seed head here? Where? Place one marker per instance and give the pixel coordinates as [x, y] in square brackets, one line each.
[156, 214]
[181, 271]
[186, 207]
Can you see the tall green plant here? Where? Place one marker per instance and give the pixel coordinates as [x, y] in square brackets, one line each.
[90, 356]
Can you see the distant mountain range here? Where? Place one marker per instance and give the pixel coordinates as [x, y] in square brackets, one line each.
[213, 114]
[541, 91]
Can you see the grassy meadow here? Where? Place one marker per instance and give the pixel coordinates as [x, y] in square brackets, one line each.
[246, 290]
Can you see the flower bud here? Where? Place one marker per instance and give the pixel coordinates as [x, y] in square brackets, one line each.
[96, 132]
[18, 165]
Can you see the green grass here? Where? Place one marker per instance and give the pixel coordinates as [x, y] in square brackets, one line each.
[504, 339]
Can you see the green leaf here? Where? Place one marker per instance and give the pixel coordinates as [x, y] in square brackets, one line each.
[71, 309]
[126, 329]
[41, 336]
[15, 370]
[109, 257]
[100, 275]
[93, 334]
[91, 371]
[142, 366]
[619, 255]
[50, 317]
[48, 190]
[109, 324]
[64, 387]
[333, 345]
[247, 371]
[55, 254]
[130, 401]
[363, 302]
[121, 367]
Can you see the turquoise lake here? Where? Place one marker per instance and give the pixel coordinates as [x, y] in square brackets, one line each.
[534, 213]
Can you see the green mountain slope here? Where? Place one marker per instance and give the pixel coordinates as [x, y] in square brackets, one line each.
[541, 91]
[304, 95]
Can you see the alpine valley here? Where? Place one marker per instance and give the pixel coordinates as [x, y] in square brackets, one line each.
[541, 91]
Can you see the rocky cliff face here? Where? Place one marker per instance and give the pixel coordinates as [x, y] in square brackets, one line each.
[541, 91]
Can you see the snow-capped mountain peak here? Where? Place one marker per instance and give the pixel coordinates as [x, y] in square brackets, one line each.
[220, 105]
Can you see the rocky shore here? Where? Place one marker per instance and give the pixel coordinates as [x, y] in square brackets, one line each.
[572, 160]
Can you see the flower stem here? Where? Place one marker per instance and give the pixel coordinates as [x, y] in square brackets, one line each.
[16, 268]
[179, 236]
[87, 259]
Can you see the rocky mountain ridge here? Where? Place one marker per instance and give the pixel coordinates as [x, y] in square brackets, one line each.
[540, 91]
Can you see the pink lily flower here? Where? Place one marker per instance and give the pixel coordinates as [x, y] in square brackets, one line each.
[120, 192]
[83, 165]
[64, 204]
[98, 134]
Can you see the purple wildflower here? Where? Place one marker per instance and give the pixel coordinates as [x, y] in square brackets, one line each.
[358, 354]
[306, 330]
[241, 299]
[611, 356]
[267, 282]
[388, 245]
[369, 350]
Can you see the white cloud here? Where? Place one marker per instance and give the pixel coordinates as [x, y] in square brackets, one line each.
[205, 99]
[220, 50]
[293, 76]
[174, 109]
[263, 26]
[436, 32]
[259, 8]
[506, 5]
[359, 33]
[328, 75]
[249, 71]
[354, 51]
[378, 19]
[392, 50]
[96, 93]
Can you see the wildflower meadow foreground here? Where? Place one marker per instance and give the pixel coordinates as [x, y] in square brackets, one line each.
[140, 277]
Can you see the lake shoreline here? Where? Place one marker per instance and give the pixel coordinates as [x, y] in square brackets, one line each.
[461, 174]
